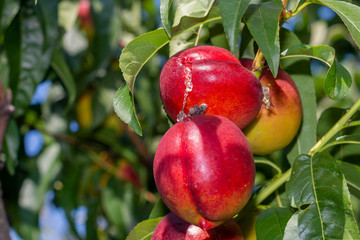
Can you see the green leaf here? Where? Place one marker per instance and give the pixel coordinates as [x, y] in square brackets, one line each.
[318, 189]
[144, 230]
[349, 14]
[291, 230]
[338, 79]
[245, 40]
[61, 68]
[271, 223]
[102, 12]
[299, 70]
[352, 176]
[164, 14]
[8, 11]
[263, 23]
[231, 13]
[138, 52]
[11, 146]
[346, 139]
[189, 9]
[68, 13]
[159, 210]
[29, 42]
[124, 107]
[117, 202]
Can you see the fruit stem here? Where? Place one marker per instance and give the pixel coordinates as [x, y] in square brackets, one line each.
[343, 121]
[266, 162]
[258, 64]
[201, 26]
[351, 124]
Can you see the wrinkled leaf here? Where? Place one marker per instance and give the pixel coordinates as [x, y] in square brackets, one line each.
[29, 42]
[144, 230]
[125, 109]
[338, 79]
[263, 23]
[188, 23]
[164, 14]
[271, 223]
[231, 13]
[61, 68]
[8, 10]
[318, 189]
[187, 8]
[349, 14]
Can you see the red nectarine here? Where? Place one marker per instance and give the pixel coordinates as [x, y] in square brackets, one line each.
[204, 170]
[173, 228]
[210, 75]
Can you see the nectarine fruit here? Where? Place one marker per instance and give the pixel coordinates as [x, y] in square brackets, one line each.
[275, 127]
[173, 228]
[210, 75]
[204, 170]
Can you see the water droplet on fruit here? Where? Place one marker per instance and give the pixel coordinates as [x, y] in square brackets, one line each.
[188, 88]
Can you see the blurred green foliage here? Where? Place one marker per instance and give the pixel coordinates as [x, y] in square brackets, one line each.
[90, 158]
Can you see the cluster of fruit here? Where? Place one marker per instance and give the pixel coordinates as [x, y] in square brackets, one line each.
[204, 168]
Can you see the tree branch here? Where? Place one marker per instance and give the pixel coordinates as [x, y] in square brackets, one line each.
[6, 108]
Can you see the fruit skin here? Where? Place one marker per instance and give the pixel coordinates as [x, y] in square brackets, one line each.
[172, 227]
[219, 80]
[274, 128]
[204, 170]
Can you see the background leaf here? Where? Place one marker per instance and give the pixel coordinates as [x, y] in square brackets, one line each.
[271, 223]
[164, 14]
[11, 146]
[322, 194]
[8, 10]
[144, 230]
[349, 13]
[231, 13]
[60, 66]
[125, 109]
[29, 47]
[263, 23]
[299, 70]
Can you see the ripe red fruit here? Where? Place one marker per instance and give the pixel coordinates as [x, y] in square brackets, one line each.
[216, 78]
[173, 228]
[204, 170]
[276, 127]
